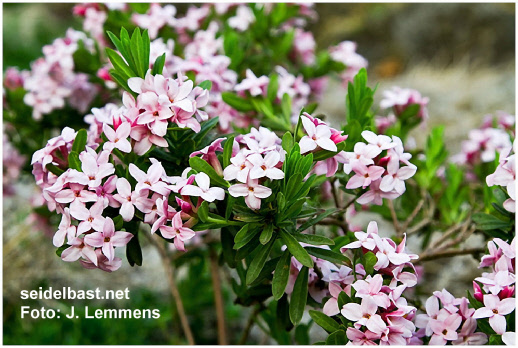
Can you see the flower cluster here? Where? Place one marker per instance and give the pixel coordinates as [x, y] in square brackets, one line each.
[382, 174]
[497, 291]
[378, 311]
[52, 80]
[505, 175]
[320, 136]
[160, 102]
[453, 321]
[345, 52]
[482, 146]
[256, 157]
[399, 99]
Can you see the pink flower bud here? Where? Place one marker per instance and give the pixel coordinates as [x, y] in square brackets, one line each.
[478, 295]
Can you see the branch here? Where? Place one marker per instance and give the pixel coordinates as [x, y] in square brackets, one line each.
[218, 298]
[412, 216]
[447, 253]
[168, 265]
[395, 221]
[249, 325]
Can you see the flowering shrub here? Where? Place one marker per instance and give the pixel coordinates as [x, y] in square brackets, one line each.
[204, 128]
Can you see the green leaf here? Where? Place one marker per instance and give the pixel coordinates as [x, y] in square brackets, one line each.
[337, 338]
[294, 184]
[229, 253]
[328, 255]
[287, 141]
[302, 334]
[296, 249]
[73, 161]
[238, 103]
[62, 248]
[370, 261]
[201, 166]
[281, 201]
[299, 296]
[324, 321]
[133, 251]
[286, 107]
[80, 141]
[489, 222]
[273, 86]
[54, 169]
[227, 151]
[257, 263]
[203, 211]
[313, 239]
[316, 220]
[266, 235]
[281, 275]
[120, 66]
[207, 84]
[495, 340]
[158, 66]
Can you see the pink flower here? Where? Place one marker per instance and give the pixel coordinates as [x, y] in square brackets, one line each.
[150, 180]
[164, 211]
[265, 167]
[370, 287]
[255, 85]
[331, 306]
[252, 191]
[445, 328]
[360, 338]
[243, 18]
[65, 229]
[104, 192]
[468, 336]
[203, 190]
[509, 338]
[90, 218]
[76, 195]
[449, 302]
[130, 199]
[209, 154]
[119, 138]
[387, 253]
[316, 136]
[155, 18]
[363, 153]
[79, 249]
[365, 314]
[365, 240]
[238, 169]
[156, 113]
[177, 232]
[364, 175]
[395, 178]
[95, 166]
[375, 195]
[108, 239]
[382, 141]
[496, 309]
[401, 98]
[102, 262]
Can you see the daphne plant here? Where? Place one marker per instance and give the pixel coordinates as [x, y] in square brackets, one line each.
[208, 135]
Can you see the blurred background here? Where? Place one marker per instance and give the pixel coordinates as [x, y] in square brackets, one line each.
[461, 56]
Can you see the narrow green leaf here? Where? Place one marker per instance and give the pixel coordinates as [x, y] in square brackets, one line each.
[266, 235]
[337, 338]
[203, 211]
[313, 239]
[273, 86]
[201, 165]
[238, 103]
[324, 321]
[80, 141]
[207, 84]
[120, 66]
[299, 296]
[229, 254]
[489, 222]
[316, 220]
[54, 169]
[257, 263]
[328, 255]
[134, 251]
[281, 275]
[73, 161]
[370, 261]
[158, 66]
[287, 141]
[227, 151]
[296, 249]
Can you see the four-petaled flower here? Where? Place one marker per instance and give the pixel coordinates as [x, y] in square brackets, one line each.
[108, 239]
